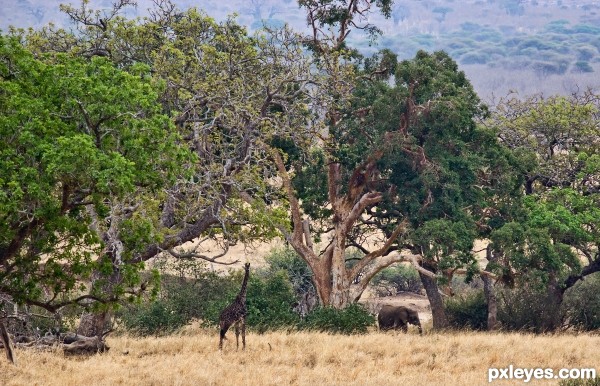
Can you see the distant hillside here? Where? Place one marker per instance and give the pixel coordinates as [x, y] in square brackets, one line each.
[523, 46]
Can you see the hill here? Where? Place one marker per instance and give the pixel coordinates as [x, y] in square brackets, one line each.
[526, 47]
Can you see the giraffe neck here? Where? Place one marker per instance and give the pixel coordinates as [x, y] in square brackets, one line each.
[242, 294]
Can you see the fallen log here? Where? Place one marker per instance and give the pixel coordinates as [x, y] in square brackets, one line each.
[84, 346]
[70, 344]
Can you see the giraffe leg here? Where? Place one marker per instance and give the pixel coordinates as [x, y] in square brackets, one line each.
[237, 335]
[243, 322]
[224, 328]
[221, 339]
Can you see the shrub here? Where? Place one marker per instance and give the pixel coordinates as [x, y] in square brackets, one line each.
[582, 305]
[270, 301]
[152, 318]
[179, 301]
[467, 310]
[354, 319]
[397, 278]
[201, 294]
[300, 276]
[529, 309]
[582, 67]
[580, 382]
[474, 58]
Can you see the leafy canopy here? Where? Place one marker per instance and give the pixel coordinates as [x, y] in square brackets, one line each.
[76, 136]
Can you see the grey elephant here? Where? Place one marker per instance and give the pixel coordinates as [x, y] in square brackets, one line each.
[397, 317]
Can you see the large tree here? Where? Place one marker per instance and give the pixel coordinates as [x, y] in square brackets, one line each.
[84, 147]
[405, 165]
[552, 239]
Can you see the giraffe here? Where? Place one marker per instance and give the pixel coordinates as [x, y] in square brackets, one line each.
[235, 313]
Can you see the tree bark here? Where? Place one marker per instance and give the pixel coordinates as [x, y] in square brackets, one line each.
[5, 338]
[440, 320]
[589, 269]
[490, 293]
[492, 303]
[93, 324]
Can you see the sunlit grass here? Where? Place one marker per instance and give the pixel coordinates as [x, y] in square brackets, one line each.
[278, 358]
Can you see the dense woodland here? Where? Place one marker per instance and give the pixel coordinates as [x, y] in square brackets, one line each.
[135, 139]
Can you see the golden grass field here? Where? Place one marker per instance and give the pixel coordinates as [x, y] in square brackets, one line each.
[278, 358]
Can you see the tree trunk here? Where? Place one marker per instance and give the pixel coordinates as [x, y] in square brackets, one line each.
[93, 324]
[554, 319]
[440, 320]
[5, 339]
[339, 297]
[492, 303]
[490, 293]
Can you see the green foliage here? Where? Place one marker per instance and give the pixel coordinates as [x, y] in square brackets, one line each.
[76, 136]
[529, 309]
[474, 58]
[580, 382]
[582, 305]
[298, 272]
[195, 293]
[467, 310]
[582, 66]
[556, 222]
[153, 318]
[354, 319]
[397, 278]
[270, 302]
[199, 294]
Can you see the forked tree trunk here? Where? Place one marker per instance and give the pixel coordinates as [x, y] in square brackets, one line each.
[438, 312]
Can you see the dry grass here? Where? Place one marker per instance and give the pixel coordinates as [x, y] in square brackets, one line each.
[306, 359]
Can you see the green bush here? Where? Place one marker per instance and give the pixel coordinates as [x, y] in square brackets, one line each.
[582, 67]
[197, 293]
[582, 305]
[180, 301]
[354, 319]
[467, 310]
[529, 309]
[154, 318]
[580, 382]
[397, 278]
[299, 274]
[270, 303]
[474, 58]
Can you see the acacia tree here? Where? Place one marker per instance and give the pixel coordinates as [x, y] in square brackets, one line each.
[227, 93]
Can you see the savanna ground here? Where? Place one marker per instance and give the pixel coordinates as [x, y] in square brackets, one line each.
[303, 358]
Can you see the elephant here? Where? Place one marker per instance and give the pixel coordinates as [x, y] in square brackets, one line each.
[397, 317]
